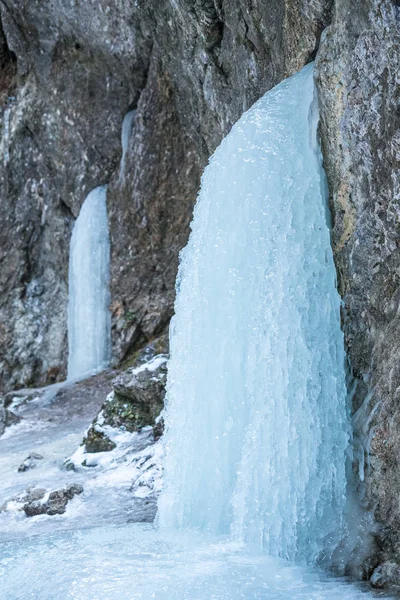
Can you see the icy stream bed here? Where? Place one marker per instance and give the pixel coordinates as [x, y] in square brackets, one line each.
[139, 562]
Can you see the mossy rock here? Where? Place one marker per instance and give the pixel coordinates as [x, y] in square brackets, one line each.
[139, 356]
[138, 399]
[96, 441]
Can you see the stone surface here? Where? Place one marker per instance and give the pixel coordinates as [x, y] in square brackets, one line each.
[190, 69]
[55, 503]
[138, 396]
[29, 462]
[80, 68]
[97, 441]
[358, 68]
[134, 404]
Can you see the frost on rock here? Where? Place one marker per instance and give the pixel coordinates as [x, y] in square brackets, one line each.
[135, 459]
[135, 403]
[122, 441]
[38, 501]
[29, 462]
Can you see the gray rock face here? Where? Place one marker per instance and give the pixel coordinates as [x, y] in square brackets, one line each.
[358, 77]
[190, 69]
[80, 68]
[138, 396]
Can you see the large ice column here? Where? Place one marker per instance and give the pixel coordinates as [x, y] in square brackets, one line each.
[89, 320]
[257, 423]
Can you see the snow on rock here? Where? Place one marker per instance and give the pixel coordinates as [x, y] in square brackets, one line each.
[38, 501]
[134, 405]
[122, 444]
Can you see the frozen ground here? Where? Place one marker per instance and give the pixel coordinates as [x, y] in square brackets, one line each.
[118, 486]
[94, 551]
[138, 562]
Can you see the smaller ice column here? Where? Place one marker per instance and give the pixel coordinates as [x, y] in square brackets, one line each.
[89, 319]
[127, 125]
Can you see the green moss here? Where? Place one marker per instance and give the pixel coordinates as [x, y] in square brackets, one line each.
[96, 441]
[129, 414]
[129, 318]
[131, 359]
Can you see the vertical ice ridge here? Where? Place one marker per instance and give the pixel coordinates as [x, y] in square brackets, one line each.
[257, 424]
[127, 125]
[89, 320]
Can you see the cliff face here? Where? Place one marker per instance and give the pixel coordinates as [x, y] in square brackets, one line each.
[358, 68]
[189, 68]
[79, 69]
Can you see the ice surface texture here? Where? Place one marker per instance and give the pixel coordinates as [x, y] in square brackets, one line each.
[89, 320]
[135, 563]
[257, 423]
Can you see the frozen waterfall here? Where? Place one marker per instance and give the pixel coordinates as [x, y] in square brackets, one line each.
[257, 424]
[89, 319]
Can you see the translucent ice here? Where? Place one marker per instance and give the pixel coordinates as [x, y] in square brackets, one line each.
[89, 320]
[127, 125]
[136, 563]
[257, 424]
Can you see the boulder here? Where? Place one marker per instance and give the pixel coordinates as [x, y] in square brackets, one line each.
[29, 462]
[54, 503]
[136, 402]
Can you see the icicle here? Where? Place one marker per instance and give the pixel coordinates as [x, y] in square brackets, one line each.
[127, 125]
[89, 320]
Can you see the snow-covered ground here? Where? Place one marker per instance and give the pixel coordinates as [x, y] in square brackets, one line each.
[97, 548]
[119, 486]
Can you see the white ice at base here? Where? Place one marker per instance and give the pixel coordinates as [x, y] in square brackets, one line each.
[89, 319]
[135, 562]
[257, 423]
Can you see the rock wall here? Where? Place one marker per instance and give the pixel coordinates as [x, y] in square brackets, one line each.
[190, 68]
[79, 70]
[358, 67]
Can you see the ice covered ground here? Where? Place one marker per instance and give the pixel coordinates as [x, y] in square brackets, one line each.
[139, 562]
[94, 550]
[118, 486]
